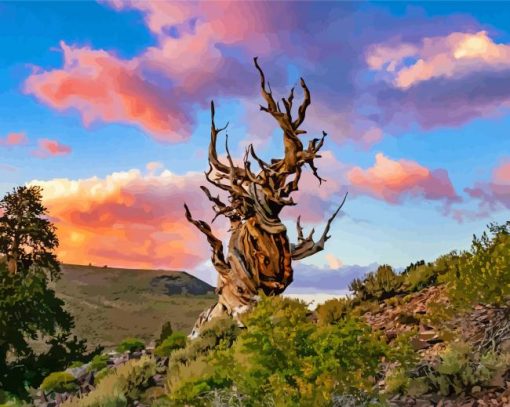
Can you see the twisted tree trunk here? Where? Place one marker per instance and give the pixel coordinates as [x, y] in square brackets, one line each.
[259, 252]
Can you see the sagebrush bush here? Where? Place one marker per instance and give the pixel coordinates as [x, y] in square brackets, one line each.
[120, 387]
[98, 362]
[333, 310]
[482, 275]
[130, 345]
[282, 356]
[176, 340]
[379, 285]
[59, 382]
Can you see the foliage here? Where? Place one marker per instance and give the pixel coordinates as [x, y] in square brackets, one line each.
[59, 382]
[166, 331]
[333, 310]
[130, 345]
[29, 308]
[284, 357]
[482, 275]
[457, 368]
[219, 333]
[120, 387]
[98, 362]
[175, 341]
[382, 284]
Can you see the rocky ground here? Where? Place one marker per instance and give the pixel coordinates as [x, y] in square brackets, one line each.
[484, 327]
[86, 377]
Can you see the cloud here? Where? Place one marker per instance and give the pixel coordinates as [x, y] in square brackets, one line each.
[310, 279]
[8, 168]
[440, 81]
[105, 88]
[333, 261]
[128, 219]
[14, 139]
[393, 181]
[451, 56]
[491, 195]
[51, 148]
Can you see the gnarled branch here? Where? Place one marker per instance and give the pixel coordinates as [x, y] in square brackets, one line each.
[308, 247]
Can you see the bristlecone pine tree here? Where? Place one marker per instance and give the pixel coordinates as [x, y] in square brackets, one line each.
[259, 254]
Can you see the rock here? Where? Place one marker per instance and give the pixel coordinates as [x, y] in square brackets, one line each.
[78, 372]
[476, 389]
[418, 344]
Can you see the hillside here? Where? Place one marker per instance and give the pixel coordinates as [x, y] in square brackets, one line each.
[111, 303]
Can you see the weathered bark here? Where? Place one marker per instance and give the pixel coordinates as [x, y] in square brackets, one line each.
[259, 255]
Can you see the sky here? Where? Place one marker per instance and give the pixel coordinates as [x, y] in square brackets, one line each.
[106, 106]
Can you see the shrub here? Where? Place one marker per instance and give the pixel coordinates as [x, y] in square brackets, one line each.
[333, 310]
[457, 368]
[130, 345]
[59, 382]
[177, 340]
[483, 274]
[120, 387]
[76, 364]
[98, 362]
[283, 359]
[220, 333]
[382, 284]
[166, 331]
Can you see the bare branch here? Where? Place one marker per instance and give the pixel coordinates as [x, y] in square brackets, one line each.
[308, 247]
[217, 258]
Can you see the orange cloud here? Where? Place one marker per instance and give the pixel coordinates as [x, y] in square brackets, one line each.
[128, 219]
[449, 56]
[103, 87]
[14, 139]
[51, 148]
[392, 180]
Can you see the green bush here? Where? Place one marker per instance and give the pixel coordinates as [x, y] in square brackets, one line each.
[98, 362]
[482, 275]
[130, 345]
[166, 331]
[382, 284]
[59, 382]
[120, 387]
[177, 340]
[333, 310]
[283, 358]
[220, 333]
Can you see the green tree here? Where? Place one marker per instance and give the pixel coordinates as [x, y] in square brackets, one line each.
[29, 309]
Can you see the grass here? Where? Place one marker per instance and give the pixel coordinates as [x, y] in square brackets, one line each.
[109, 304]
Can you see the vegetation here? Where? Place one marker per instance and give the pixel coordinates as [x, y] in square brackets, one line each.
[130, 345]
[482, 275]
[59, 382]
[120, 387]
[29, 308]
[175, 341]
[283, 357]
[384, 283]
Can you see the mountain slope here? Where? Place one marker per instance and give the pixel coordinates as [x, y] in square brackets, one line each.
[110, 304]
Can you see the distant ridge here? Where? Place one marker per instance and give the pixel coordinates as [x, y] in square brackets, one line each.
[111, 303]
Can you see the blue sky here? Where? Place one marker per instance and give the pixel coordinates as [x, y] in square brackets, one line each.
[439, 126]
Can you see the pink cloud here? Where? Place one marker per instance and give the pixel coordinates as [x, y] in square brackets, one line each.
[14, 139]
[495, 193]
[129, 219]
[105, 88]
[392, 181]
[454, 55]
[51, 148]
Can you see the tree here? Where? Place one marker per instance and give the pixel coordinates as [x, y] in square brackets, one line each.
[259, 252]
[29, 308]
[27, 237]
